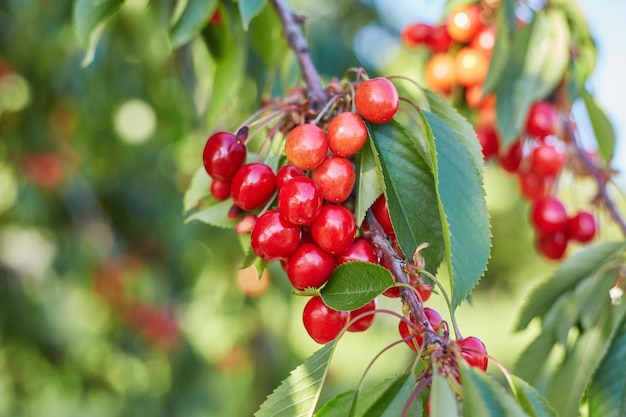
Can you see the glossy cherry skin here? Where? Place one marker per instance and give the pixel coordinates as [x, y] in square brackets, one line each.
[552, 245]
[220, 189]
[364, 322]
[582, 227]
[223, 155]
[473, 350]
[380, 210]
[306, 146]
[542, 119]
[548, 215]
[287, 172]
[335, 178]
[346, 134]
[253, 185]
[435, 320]
[547, 160]
[333, 229]
[299, 200]
[273, 237]
[309, 266]
[535, 187]
[359, 250]
[377, 100]
[465, 23]
[512, 158]
[321, 322]
[485, 40]
[489, 141]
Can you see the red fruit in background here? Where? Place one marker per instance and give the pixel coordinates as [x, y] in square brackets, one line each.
[439, 73]
[470, 66]
[309, 266]
[220, 189]
[223, 155]
[306, 146]
[439, 39]
[547, 160]
[552, 245]
[321, 322]
[335, 178]
[535, 187]
[542, 119]
[45, 170]
[489, 141]
[346, 134]
[253, 185]
[359, 250]
[299, 200]
[377, 100]
[473, 350]
[416, 34]
[485, 39]
[273, 237]
[333, 229]
[380, 210]
[548, 215]
[156, 325]
[465, 23]
[512, 158]
[365, 322]
[582, 227]
[287, 172]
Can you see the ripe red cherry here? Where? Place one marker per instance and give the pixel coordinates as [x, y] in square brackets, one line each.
[335, 178]
[512, 158]
[333, 229]
[473, 350]
[346, 134]
[380, 210]
[416, 34]
[273, 237]
[321, 322]
[485, 40]
[223, 155]
[465, 23]
[535, 187]
[253, 185]
[309, 266]
[435, 320]
[220, 189]
[489, 141]
[306, 146]
[439, 39]
[547, 160]
[376, 100]
[548, 215]
[542, 119]
[359, 250]
[582, 227]
[299, 200]
[287, 172]
[365, 322]
[552, 245]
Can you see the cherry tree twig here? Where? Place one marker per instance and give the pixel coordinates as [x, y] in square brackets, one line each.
[298, 43]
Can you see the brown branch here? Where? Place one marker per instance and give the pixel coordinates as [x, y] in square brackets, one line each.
[298, 43]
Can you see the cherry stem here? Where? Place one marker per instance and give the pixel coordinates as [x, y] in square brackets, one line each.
[600, 177]
[396, 263]
[298, 43]
[423, 384]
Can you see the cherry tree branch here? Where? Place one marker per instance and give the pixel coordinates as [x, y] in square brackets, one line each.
[298, 43]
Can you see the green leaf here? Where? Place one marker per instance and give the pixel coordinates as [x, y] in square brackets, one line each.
[266, 36]
[576, 268]
[452, 5]
[533, 403]
[354, 284]
[89, 17]
[443, 401]
[484, 397]
[193, 18]
[602, 126]
[410, 192]
[462, 205]
[394, 399]
[531, 363]
[501, 49]
[226, 82]
[214, 213]
[297, 395]
[339, 406]
[199, 189]
[249, 9]
[369, 185]
[607, 393]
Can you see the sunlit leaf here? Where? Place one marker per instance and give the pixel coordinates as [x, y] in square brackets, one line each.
[214, 212]
[339, 406]
[501, 50]
[194, 17]
[199, 189]
[533, 403]
[369, 185]
[89, 17]
[249, 9]
[531, 362]
[354, 284]
[602, 126]
[443, 400]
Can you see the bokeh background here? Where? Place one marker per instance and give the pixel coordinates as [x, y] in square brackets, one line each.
[112, 305]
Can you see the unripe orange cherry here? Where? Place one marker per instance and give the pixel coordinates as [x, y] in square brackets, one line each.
[465, 23]
[439, 73]
[470, 66]
[346, 134]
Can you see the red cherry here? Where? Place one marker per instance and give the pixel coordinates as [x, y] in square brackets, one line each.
[309, 266]
[376, 100]
[322, 322]
[547, 160]
[416, 34]
[306, 146]
[364, 322]
[439, 39]
[299, 200]
[535, 187]
[542, 119]
[359, 250]
[512, 158]
[346, 134]
[335, 178]
[287, 172]
[489, 141]
[45, 170]
[552, 245]
[548, 215]
[435, 320]
[333, 229]
[380, 210]
[465, 23]
[220, 189]
[273, 237]
[485, 40]
[582, 227]
[223, 155]
[253, 185]
[473, 350]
